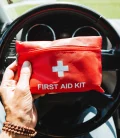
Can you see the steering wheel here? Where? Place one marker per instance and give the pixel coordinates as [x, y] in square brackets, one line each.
[110, 61]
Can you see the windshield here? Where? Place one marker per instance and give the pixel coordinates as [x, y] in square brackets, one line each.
[107, 8]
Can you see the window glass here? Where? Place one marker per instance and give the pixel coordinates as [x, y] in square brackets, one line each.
[107, 8]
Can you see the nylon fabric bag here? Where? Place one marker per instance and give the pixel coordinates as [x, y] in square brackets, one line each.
[64, 65]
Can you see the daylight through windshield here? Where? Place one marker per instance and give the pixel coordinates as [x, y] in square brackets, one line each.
[107, 8]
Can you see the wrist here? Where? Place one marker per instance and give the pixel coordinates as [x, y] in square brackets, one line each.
[19, 117]
[21, 120]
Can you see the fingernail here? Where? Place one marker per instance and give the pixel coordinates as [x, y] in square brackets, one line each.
[26, 64]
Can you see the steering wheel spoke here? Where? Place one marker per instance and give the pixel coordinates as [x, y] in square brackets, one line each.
[110, 59]
[95, 98]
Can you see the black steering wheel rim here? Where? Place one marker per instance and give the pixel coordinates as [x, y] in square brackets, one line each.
[109, 56]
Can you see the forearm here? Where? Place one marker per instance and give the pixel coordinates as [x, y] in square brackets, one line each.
[11, 135]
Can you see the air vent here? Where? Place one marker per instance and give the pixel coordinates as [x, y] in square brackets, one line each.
[12, 44]
[11, 49]
[11, 53]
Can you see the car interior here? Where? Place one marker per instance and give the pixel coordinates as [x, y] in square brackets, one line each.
[58, 113]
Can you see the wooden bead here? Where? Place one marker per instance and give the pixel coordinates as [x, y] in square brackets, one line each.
[10, 127]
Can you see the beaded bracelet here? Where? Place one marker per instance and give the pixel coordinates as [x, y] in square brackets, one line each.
[26, 131]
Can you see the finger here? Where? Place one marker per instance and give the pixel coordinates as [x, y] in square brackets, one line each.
[25, 74]
[35, 116]
[36, 96]
[0, 90]
[9, 72]
[16, 77]
[9, 83]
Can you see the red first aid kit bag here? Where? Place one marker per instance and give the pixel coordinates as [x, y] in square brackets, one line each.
[64, 65]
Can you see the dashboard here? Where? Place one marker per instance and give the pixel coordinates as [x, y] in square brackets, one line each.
[51, 27]
[58, 27]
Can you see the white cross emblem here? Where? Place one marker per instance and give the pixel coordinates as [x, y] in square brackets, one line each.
[60, 68]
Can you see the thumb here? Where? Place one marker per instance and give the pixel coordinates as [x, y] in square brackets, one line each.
[25, 74]
[0, 91]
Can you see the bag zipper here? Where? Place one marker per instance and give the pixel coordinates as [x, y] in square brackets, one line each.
[81, 48]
